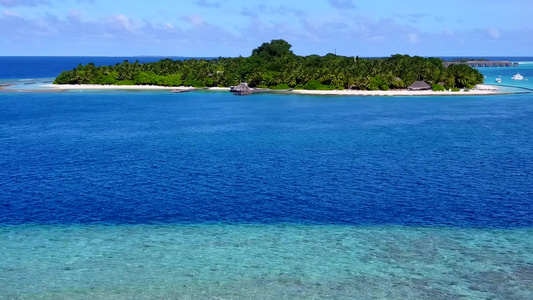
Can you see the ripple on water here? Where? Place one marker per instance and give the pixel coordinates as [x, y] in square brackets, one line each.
[267, 262]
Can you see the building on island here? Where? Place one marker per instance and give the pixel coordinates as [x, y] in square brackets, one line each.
[419, 86]
[241, 89]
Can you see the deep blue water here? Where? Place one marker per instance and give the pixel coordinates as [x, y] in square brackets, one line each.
[122, 157]
[29, 67]
[113, 195]
[158, 158]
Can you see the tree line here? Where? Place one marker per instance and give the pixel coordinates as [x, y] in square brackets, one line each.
[274, 65]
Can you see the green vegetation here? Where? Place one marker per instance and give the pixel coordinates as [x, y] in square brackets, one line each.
[437, 87]
[124, 82]
[317, 85]
[281, 86]
[274, 65]
[455, 89]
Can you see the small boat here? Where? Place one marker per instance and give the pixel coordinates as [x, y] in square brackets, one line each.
[498, 80]
[517, 76]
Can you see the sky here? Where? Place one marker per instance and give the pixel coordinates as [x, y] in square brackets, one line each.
[229, 28]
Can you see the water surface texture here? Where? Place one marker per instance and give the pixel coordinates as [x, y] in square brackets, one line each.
[264, 262]
[206, 195]
[116, 158]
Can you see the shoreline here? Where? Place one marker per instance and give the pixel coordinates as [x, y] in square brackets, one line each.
[487, 90]
[396, 93]
[481, 90]
[113, 87]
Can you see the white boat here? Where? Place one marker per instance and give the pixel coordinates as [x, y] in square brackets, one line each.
[498, 80]
[517, 76]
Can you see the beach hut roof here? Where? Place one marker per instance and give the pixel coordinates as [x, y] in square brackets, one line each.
[419, 85]
[241, 89]
[243, 86]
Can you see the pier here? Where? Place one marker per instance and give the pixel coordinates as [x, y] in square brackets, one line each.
[243, 89]
[482, 63]
[191, 89]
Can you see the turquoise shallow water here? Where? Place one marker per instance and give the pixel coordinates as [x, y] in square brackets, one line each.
[327, 197]
[505, 74]
[264, 262]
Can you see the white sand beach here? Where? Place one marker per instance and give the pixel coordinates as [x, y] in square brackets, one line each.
[479, 90]
[399, 92]
[125, 87]
[109, 87]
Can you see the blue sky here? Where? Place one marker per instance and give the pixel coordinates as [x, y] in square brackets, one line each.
[235, 27]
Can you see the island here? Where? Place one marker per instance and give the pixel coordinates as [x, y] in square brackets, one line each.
[274, 66]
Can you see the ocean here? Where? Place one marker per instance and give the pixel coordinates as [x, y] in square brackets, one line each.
[206, 195]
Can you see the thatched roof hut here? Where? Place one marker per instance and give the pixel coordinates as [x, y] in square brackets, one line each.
[241, 89]
[419, 86]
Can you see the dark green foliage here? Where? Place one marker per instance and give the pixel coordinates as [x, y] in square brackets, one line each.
[281, 86]
[464, 75]
[455, 89]
[375, 83]
[274, 64]
[191, 81]
[437, 87]
[125, 82]
[143, 78]
[312, 85]
[66, 77]
[274, 49]
[316, 85]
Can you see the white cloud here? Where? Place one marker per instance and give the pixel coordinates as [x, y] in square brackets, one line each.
[196, 35]
[494, 33]
[448, 32]
[195, 19]
[206, 3]
[342, 4]
[111, 35]
[122, 21]
[412, 38]
[74, 15]
[9, 13]
[13, 3]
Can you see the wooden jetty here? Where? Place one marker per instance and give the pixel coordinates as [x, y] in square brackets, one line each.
[243, 89]
[178, 91]
[482, 63]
